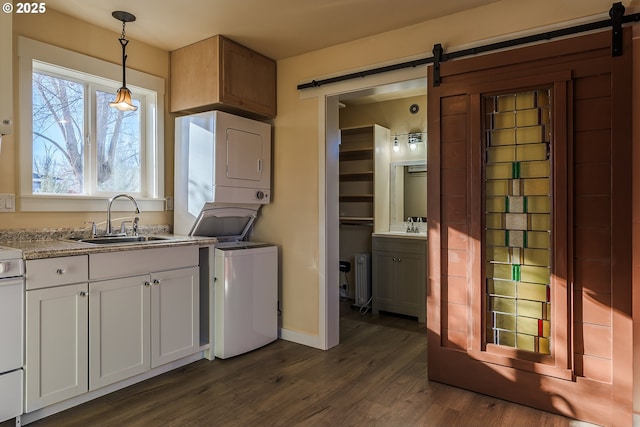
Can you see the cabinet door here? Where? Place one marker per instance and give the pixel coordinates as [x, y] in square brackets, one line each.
[56, 344]
[175, 313]
[411, 284]
[119, 323]
[384, 281]
[247, 79]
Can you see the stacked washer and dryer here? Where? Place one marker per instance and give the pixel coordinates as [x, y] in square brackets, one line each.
[222, 178]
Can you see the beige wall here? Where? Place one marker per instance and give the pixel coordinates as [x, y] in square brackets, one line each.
[395, 116]
[64, 31]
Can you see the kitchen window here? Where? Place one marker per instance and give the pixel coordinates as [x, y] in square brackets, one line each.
[76, 151]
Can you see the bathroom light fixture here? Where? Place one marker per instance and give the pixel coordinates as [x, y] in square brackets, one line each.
[396, 147]
[414, 138]
[123, 97]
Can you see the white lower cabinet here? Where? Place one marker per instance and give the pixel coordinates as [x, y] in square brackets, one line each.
[133, 311]
[175, 315]
[141, 322]
[56, 344]
[119, 325]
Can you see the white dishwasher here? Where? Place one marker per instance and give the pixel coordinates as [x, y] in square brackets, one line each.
[246, 297]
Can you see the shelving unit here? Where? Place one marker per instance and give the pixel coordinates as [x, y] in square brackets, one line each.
[357, 176]
[364, 159]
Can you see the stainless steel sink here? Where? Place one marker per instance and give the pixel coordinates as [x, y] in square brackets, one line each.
[110, 240]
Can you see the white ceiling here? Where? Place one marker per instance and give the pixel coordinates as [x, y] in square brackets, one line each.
[276, 28]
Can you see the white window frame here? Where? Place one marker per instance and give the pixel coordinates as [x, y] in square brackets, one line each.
[149, 89]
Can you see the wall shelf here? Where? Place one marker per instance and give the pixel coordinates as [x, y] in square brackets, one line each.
[357, 198]
[357, 176]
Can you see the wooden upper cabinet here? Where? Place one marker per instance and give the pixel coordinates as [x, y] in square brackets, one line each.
[218, 73]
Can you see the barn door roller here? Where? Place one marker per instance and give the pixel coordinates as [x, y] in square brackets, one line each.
[616, 13]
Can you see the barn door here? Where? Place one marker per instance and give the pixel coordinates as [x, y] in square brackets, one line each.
[529, 216]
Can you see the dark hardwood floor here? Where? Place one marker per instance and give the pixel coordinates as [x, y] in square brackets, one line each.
[375, 377]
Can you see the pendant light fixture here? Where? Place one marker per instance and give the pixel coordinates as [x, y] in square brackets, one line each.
[123, 97]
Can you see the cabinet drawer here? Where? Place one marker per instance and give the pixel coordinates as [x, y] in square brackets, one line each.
[43, 273]
[127, 263]
[414, 246]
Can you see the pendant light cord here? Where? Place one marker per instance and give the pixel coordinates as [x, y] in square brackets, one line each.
[123, 41]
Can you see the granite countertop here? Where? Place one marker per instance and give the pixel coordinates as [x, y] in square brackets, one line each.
[47, 244]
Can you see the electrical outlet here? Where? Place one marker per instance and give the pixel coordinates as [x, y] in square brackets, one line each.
[7, 202]
[169, 204]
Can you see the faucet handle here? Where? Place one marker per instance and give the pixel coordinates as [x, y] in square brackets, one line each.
[94, 228]
[135, 226]
[123, 227]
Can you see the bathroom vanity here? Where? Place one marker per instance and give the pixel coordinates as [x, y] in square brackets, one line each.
[399, 273]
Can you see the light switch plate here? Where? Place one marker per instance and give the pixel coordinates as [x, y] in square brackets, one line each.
[7, 202]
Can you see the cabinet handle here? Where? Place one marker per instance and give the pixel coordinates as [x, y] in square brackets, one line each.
[60, 271]
[156, 281]
[146, 283]
[84, 294]
[399, 260]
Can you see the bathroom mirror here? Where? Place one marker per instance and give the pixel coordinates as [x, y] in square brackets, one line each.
[407, 193]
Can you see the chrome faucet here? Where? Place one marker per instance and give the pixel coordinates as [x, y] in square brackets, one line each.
[410, 225]
[109, 231]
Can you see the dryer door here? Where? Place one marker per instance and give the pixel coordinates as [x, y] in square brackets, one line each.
[244, 155]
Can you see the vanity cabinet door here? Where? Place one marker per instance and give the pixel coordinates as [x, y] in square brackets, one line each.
[56, 345]
[410, 284]
[119, 324]
[175, 315]
[383, 284]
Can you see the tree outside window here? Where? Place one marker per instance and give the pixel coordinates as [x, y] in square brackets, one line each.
[83, 150]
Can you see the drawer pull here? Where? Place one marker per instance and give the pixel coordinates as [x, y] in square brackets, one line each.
[60, 271]
[84, 294]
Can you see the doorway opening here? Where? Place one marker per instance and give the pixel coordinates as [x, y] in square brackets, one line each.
[354, 209]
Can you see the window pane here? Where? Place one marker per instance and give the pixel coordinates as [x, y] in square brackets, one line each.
[517, 220]
[118, 146]
[58, 135]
